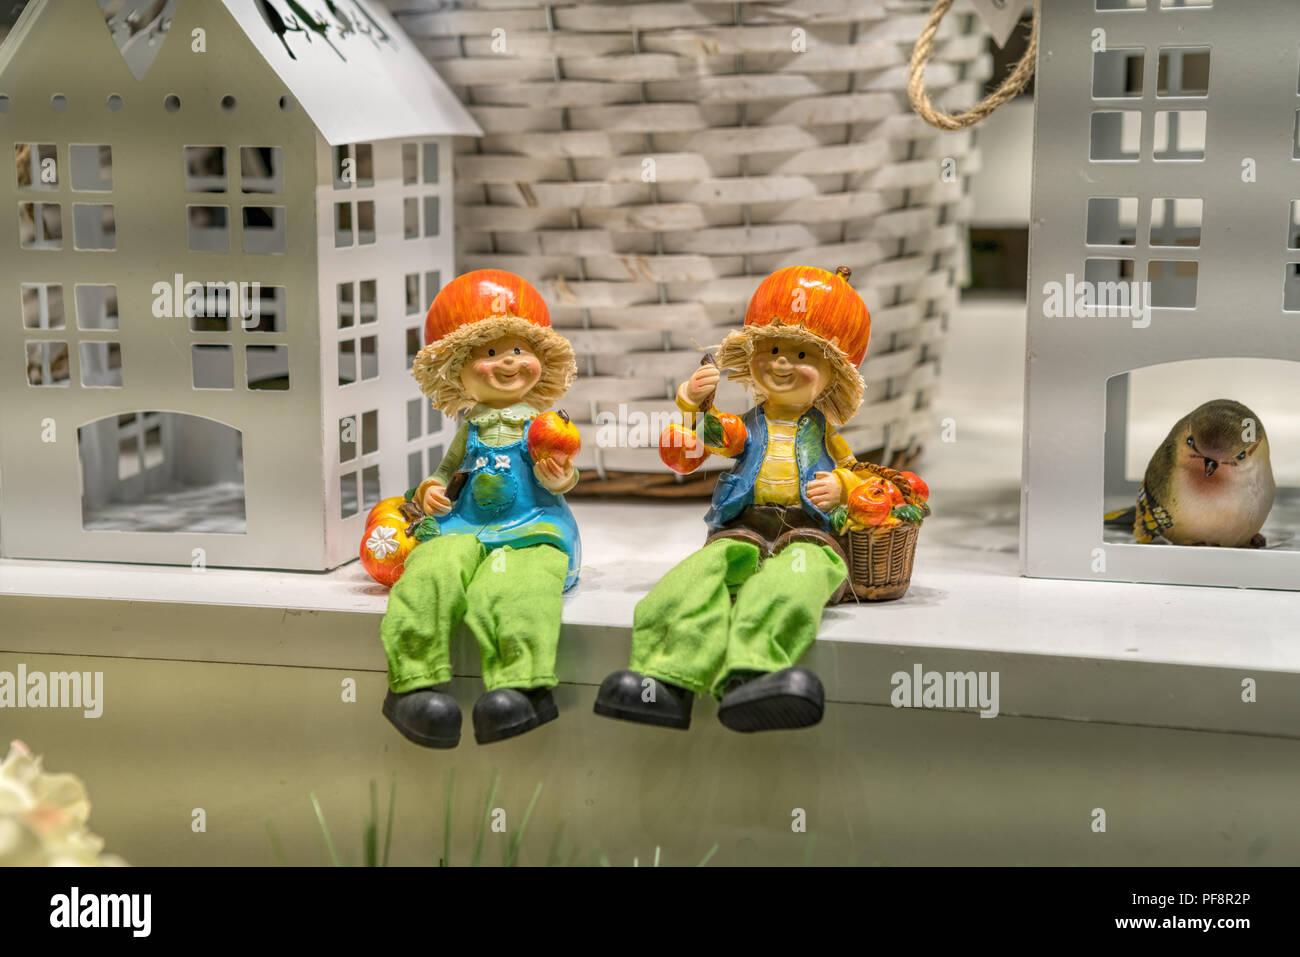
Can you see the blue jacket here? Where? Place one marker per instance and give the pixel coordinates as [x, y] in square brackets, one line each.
[735, 488]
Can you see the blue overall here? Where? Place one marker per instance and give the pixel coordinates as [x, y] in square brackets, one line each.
[502, 503]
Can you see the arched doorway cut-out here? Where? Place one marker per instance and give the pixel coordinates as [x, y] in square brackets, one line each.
[161, 472]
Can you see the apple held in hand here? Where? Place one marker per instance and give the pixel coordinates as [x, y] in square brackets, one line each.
[392, 530]
[553, 435]
[722, 433]
[681, 449]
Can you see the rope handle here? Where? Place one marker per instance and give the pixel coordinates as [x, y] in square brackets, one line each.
[924, 49]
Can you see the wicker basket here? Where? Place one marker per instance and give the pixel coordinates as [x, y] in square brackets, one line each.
[880, 562]
[645, 164]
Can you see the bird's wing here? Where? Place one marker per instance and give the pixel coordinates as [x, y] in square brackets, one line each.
[1151, 520]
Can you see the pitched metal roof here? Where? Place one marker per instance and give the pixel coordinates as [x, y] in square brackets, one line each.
[352, 68]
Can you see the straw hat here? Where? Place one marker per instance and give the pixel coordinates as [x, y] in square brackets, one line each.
[476, 308]
[812, 306]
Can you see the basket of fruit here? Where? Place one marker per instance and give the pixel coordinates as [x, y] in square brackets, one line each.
[879, 526]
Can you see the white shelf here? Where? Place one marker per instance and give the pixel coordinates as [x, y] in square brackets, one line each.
[1129, 653]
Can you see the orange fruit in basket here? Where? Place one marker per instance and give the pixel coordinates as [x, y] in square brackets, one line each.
[872, 501]
[918, 485]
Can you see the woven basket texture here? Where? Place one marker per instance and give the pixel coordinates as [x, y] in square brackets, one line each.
[646, 164]
[880, 562]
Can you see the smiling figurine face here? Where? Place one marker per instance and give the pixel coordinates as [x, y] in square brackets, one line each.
[500, 373]
[790, 372]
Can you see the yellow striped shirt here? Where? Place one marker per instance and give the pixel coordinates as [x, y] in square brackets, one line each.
[778, 478]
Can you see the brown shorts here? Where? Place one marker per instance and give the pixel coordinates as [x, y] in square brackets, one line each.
[773, 527]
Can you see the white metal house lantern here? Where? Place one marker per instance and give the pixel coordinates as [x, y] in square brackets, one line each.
[1166, 154]
[224, 223]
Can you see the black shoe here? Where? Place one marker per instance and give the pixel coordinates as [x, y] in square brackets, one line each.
[789, 698]
[507, 712]
[426, 717]
[623, 695]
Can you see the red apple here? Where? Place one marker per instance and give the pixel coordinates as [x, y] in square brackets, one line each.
[681, 449]
[553, 435]
[918, 485]
[895, 494]
[871, 502]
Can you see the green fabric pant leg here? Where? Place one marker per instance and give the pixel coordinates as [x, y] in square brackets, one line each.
[513, 610]
[778, 611]
[679, 630]
[424, 608]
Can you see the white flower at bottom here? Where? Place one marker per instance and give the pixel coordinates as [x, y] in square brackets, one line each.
[43, 816]
[382, 542]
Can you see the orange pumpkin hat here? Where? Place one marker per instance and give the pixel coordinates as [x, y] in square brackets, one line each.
[476, 308]
[813, 306]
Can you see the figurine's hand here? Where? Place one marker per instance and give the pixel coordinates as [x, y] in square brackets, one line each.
[554, 473]
[825, 491]
[436, 501]
[701, 383]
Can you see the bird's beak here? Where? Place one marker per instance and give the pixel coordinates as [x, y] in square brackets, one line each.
[1210, 466]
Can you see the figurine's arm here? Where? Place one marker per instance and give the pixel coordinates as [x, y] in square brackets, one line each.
[695, 390]
[833, 488]
[451, 460]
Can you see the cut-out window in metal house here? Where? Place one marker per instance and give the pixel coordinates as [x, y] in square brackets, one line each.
[205, 169]
[47, 364]
[101, 365]
[96, 306]
[161, 472]
[209, 229]
[91, 167]
[43, 306]
[213, 365]
[94, 226]
[36, 166]
[261, 169]
[267, 367]
[264, 229]
[40, 225]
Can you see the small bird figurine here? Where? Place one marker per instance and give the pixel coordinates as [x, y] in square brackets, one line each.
[1209, 483]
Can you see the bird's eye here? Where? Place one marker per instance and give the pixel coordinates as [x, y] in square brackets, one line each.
[1189, 441]
[801, 355]
[492, 352]
[1241, 455]
[517, 352]
[774, 350]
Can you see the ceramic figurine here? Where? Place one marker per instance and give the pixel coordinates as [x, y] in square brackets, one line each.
[770, 539]
[503, 545]
[1209, 483]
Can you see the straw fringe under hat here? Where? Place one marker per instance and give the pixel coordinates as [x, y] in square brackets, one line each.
[815, 307]
[476, 308]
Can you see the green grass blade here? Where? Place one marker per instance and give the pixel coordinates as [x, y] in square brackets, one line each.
[517, 838]
[370, 833]
[277, 849]
[446, 821]
[388, 829]
[707, 857]
[808, 850]
[656, 855]
[483, 821]
[554, 857]
[329, 841]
